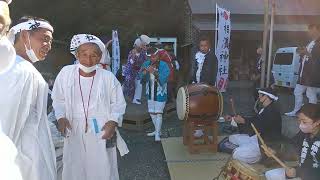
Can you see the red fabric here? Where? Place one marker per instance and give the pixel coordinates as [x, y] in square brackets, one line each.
[164, 56]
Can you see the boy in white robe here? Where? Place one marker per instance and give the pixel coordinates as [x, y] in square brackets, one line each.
[23, 104]
[89, 104]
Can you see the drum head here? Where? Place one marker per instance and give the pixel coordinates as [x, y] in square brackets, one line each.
[204, 102]
[181, 103]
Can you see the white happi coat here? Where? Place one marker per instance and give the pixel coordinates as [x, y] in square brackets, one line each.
[85, 156]
[23, 117]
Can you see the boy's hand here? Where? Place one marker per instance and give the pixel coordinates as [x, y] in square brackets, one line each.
[63, 124]
[291, 172]
[239, 119]
[227, 117]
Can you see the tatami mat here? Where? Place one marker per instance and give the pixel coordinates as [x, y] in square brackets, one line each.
[185, 166]
[204, 166]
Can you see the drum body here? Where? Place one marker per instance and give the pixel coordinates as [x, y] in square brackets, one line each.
[199, 102]
[241, 171]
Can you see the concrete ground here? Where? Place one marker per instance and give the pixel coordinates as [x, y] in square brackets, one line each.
[146, 160]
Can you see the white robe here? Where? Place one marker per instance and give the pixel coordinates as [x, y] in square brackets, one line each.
[8, 154]
[23, 118]
[85, 156]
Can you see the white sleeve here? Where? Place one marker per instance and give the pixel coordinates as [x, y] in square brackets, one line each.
[58, 99]
[118, 103]
[8, 154]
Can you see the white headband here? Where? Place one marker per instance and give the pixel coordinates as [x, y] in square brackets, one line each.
[268, 94]
[28, 25]
[153, 53]
[7, 1]
[79, 39]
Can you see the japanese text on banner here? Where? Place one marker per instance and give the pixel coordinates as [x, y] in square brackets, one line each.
[222, 48]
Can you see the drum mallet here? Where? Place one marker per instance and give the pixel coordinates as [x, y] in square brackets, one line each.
[233, 107]
[265, 147]
[233, 122]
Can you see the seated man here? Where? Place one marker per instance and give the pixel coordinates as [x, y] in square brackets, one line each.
[267, 121]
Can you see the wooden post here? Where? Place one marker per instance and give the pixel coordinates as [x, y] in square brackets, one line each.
[273, 8]
[264, 43]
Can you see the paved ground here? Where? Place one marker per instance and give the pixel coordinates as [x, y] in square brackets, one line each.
[146, 160]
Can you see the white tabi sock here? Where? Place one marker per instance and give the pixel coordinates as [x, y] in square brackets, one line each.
[154, 120]
[158, 127]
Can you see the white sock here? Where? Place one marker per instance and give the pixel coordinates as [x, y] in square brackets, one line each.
[158, 123]
[298, 103]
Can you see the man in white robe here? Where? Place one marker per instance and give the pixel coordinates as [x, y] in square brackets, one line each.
[23, 95]
[89, 104]
[8, 151]
[8, 154]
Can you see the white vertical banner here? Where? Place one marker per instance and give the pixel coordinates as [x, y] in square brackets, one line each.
[223, 31]
[115, 52]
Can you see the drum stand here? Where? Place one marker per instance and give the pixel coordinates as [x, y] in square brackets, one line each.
[208, 143]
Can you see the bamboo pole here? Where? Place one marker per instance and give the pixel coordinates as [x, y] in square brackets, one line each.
[233, 107]
[266, 149]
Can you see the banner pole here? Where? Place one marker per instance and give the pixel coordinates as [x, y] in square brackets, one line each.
[270, 42]
[264, 43]
[216, 30]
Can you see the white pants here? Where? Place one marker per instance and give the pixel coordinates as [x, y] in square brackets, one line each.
[155, 106]
[138, 89]
[277, 174]
[311, 93]
[248, 150]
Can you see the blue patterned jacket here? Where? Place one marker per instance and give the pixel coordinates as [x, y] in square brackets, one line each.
[160, 86]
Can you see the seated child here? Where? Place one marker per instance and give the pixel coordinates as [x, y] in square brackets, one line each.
[309, 141]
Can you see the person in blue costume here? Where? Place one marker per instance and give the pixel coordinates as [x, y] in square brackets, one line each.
[156, 73]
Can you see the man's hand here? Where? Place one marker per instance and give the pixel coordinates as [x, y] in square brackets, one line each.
[151, 69]
[144, 71]
[239, 119]
[63, 123]
[109, 129]
[291, 172]
[227, 117]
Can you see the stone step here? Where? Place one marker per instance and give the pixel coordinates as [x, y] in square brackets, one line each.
[137, 116]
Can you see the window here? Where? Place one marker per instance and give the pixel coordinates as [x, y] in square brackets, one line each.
[283, 58]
